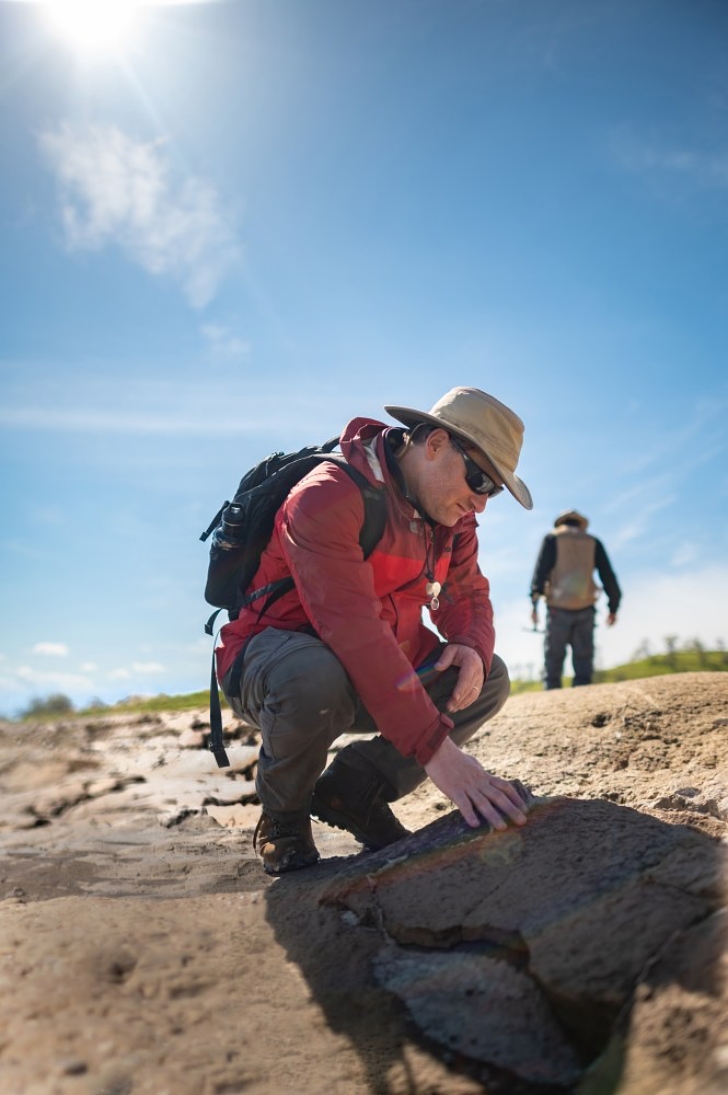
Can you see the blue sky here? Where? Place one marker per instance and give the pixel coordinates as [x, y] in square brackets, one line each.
[247, 222]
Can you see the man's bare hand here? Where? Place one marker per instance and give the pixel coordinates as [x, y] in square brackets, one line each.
[470, 678]
[477, 794]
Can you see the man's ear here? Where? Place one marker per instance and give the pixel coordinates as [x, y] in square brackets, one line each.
[436, 441]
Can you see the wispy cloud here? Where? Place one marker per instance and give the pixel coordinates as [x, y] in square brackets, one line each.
[117, 190]
[706, 170]
[97, 404]
[223, 342]
[102, 420]
[119, 674]
[685, 553]
[660, 605]
[655, 605]
[40, 678]
[637, 526]
[693, 437]
[124, 673]
[54, 650]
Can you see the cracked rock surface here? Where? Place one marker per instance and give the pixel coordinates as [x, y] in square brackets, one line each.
[576, 903]
[143, 950]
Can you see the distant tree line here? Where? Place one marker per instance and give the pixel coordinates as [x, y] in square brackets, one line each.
[689, 656]
[706, 658]
[57, 705]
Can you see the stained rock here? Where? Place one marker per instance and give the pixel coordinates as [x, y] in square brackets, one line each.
[580, 900]
[483, 1008]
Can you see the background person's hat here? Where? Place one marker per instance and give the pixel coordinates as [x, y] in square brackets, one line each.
[571, 516]
[479, 419]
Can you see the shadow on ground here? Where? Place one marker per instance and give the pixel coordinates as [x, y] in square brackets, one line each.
[518, 958]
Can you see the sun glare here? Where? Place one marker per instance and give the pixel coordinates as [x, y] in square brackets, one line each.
[94, 26]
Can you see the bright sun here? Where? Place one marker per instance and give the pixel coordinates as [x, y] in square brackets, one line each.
[94, 26]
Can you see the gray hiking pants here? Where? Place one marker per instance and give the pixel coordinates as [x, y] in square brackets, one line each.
[574, 628]
[297, 692]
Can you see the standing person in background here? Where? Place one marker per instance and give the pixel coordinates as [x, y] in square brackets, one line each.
[564, 576]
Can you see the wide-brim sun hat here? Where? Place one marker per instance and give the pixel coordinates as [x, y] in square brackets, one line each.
[573, 516]
[483, 421]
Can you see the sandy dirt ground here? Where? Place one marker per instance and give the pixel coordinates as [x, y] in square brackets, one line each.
[143, 950]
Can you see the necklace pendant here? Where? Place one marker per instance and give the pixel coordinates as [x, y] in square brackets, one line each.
[432, 589]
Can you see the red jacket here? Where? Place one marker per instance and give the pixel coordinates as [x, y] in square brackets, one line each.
[369, 612]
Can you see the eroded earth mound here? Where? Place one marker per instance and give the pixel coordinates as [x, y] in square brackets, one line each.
[143, 950]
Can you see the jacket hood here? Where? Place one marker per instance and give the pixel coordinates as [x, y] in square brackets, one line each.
[353, 438]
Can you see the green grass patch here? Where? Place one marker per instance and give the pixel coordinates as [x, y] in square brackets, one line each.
[162, 702]
[680, 661]
[657, 665]
[519, 686]
[676, 661]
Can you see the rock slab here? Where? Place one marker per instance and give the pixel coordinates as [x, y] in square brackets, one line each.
[571, 909]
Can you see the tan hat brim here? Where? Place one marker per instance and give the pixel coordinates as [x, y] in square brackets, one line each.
[410, 418]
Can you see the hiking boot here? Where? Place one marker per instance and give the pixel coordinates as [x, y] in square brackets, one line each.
[349, 799]
[285, 843]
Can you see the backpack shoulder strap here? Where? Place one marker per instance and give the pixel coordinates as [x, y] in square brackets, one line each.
[375, 518]
[375, 508]
[217, 744]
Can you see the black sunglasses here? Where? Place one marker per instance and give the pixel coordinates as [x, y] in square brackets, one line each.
[478, 480]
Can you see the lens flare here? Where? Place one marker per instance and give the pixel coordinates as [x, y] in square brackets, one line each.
[94, 26]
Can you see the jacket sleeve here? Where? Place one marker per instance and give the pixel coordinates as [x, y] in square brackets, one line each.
[607, 577]
[318, 528]
[465, 614]
[544, 565]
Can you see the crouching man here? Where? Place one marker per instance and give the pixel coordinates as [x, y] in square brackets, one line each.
[346, 650]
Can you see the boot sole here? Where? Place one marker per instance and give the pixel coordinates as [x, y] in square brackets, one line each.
[296, 863]
[338, 820]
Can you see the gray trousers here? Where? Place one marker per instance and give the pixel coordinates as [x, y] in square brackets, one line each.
[297, 692]
[574, 628]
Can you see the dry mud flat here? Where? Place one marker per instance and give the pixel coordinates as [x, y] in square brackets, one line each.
[143, 950]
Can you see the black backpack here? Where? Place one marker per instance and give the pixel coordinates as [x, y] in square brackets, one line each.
[241, 530]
